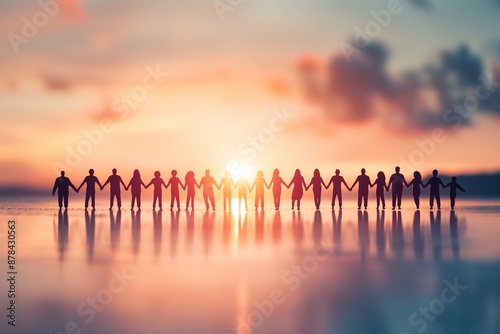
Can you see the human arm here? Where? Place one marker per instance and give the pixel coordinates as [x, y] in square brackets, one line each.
[105, 184]
[459, 187]
[81, 185]
[147, 186]
[55, 188]
[123, 183]
[72, 186]
[98, 183]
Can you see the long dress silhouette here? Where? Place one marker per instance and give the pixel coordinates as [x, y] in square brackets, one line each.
[416, 183]
[157, 183]
[276, 182]
[259, 184]
[298, 188]
[226, 183]
[337, 180]
[381, 188]
[114, 181]
[453, 185]
[316, 183]
[190, 184]
[91, 182]
[435, 182]
[62, 185]
[208, 182]
[135, 184]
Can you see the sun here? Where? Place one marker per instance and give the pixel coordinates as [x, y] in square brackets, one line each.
[240, 170]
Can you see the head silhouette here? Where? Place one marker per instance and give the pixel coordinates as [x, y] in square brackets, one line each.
[114, 171]
[157, 174]
[260, 173]
[316, 172]
[454, 179]
[91, 171]
[297, 173]
[337, 172]
[417, 175]
[435, 172]
[189, 175]
[207, 172]
[276, 172]
[397, 169]
[62, 173]
[137, 174]
[381, 175]
[363, 171]
[174, 173]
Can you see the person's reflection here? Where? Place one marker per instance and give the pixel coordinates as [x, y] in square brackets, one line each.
[337, 230]
[157, 232]
[436, 235]
[276, 228]
[259, 227]
[398, 241]
[454, 235]
[114, 229]
[62, 233]
[317, 227]
[242, 228]
[189, 231]
[207, 229]
[363, 234]
[297, 229]
[136, 230]
[418, 240]
[174, 232]
[90, 233]
[227, 223]
[381, 237]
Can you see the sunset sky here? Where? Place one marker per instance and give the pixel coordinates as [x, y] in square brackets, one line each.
[182, 85]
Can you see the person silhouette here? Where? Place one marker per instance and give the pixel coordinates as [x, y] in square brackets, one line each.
[276, 182]
[259, 184]
[381, 188]
[226, 183]
[397, 180]
[316, 183]
[243, 186]
[62, 185]
[298, 190]
[114, 181]
[190, 183]
[416, 182]
[157, 182]
[363, 188]
[174, 184]
[208, 182]
[91, 181]
[135, 183]
[435, 182]
[337, 180]
[453, 185]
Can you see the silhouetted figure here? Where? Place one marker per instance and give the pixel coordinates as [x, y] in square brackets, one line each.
[298, 190]
[381, 188]
[259, 184]
[416, 182]
[208, 182]
[435, 182]
[397, 180]
[226, 183]
[135, 183]
[114, 181]
[190, 184]
[91, 181]
[174, 184]
[337, 180]
[62, 185]
[157, 182]
[276, 182]
[453, 185]
[316, 183]
[363, 188]
[243, 187]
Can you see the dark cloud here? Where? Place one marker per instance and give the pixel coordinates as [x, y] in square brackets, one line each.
[359, 88]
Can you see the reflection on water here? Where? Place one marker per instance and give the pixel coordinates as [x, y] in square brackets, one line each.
[215, 272]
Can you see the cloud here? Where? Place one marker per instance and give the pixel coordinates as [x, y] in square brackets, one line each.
[422, 4]
[361, 89]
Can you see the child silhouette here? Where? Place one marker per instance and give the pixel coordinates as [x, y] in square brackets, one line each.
[174, 184]
[157, 182]
[453, 185]
[259, 184]
[316, 183]
[276, 182]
